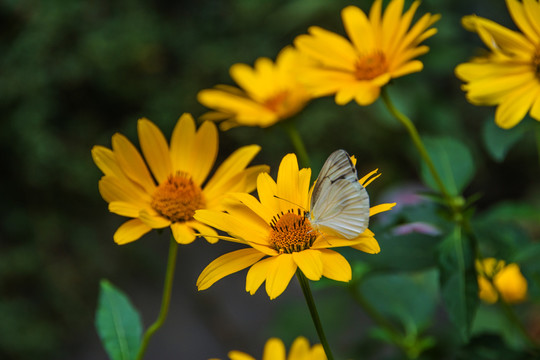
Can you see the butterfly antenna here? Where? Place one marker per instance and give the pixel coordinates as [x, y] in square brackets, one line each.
[295, 204]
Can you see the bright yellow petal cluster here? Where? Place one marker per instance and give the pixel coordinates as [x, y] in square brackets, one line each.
[275, 227]
[166, 187]
[509, 76]
[275, 350]
[381, 47]
[508, 281]
[269, 93]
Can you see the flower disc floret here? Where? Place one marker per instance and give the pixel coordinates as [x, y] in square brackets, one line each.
[178, 198]
[291, 232]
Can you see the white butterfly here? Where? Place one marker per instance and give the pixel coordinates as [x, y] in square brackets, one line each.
[339, 204]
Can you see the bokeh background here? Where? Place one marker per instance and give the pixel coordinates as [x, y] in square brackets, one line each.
[72, 73]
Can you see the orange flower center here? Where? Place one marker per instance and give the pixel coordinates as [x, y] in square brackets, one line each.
[291, 232]
[370, 66]
[177, 198]
[278, 103]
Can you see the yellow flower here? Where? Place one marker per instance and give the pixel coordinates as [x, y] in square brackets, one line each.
[508, 280]
[276, 226]
[269, 93]
[509, 75]
[380, 48]
[180, 171]
[275, 350]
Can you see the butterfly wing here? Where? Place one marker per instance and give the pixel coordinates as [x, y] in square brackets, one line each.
[339, 204]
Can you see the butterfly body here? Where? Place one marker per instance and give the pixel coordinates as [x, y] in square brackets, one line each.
[339, 204]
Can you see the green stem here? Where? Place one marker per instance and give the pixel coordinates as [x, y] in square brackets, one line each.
[304, 284]
[165, 301]
[298, 144]
[413, 133]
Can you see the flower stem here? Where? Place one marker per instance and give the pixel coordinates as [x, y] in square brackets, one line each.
[304, 284]
[413, 133]
[165, 301]
[297, 141]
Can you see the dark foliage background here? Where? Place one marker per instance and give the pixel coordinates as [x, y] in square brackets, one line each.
[72, 73]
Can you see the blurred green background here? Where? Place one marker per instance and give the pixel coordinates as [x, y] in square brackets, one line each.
[72, 73]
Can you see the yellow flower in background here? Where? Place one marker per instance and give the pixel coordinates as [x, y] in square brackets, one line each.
[508, 280]
[269, 92]
[509, 75]
[381, 47]
[275, 350]
[275, 226]
[172, 190]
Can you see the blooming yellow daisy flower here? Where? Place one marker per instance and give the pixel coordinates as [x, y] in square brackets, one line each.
[276, 226]
[269, 93]
[508, 280]
[381, 47]
[275, 350]
[170, 194]
[509, 75]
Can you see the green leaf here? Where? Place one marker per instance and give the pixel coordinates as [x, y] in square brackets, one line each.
[459, 286]
[415, 305]
[499, 141]
[453, 162]
[118, 323]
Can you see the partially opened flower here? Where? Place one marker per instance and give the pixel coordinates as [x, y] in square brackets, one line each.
[269, 93]
[275, 350]
[276, 227]
[509, 75]
[509, 283]
[381, 47]
[172, 190]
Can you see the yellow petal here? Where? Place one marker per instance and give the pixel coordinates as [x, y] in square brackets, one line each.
[130, 231]
[514, 108]
[287, 183]
[519, 15]
[211, 234]
[244, 182]
[257, 274]
[132, 162]
[374, 210]
[359, 29]
[229, 168]
[241, 231]
[227, 264]
[182, 233]
[370, 176]
[532, 12]
[116, 189]
[155, 149]
[368, 245]
[299, 349]
[203, 155]
[335, 266]
[106, 161]
[153, 219]
[279, 275]
[254, 205]
[238, 355]
[274, 349]
[309, 261]
[182, 143]
[332, 50]
[124, 209]
[267, 189]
